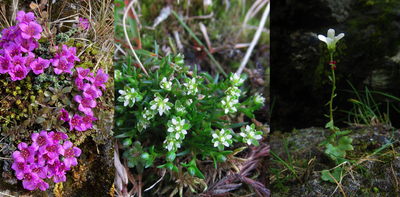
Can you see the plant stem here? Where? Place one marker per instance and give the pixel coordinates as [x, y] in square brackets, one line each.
[333, 90]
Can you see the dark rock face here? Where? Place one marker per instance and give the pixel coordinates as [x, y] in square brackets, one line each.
[368, 56]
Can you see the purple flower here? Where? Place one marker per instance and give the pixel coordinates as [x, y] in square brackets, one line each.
[57, 137]
[70, 154]
[5, 63]
[41, 140]
[30, 30]
[85, 104]
[30, 179]
[22, 17]
[100, 79]
[64, 115]
[76, 122]
[27, 153]
[26, 44]
[62, 65]
[29, 59]
[18, 167]
[42, 185]
[82, 73]
[13, 49]
[83, 23]
[87, 121]
[39, 65]
[19, 72]
[51, 152]
[79, 83]
[91, 91]
[18, 59]
[39, 170]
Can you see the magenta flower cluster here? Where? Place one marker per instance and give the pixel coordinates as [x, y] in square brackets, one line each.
[17, 44]
[90, 87]
[45, 158]
[83, 23]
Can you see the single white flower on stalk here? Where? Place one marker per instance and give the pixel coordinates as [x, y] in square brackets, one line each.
[160, 104]
[228, 103]
[191, 86]
[166, 85]
[236, 80]
[221, 138]
[331, 39]
[250, 135]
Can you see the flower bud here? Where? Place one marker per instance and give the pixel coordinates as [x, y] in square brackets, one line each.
[221, 158]
[145, 156]
[127, 142]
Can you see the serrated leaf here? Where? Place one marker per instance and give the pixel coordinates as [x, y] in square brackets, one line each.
[334, 152]
[344, 143]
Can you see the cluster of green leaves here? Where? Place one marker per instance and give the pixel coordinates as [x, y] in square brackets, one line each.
[175, 112]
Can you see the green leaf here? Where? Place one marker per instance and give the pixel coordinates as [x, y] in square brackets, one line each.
[337, 174]
[344, 143]
[343, 132]
[67, 89]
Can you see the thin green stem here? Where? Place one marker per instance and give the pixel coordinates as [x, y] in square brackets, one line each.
[333, 91]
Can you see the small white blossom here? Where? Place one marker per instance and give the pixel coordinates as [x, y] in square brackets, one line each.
[233, 91]
[250, 135]
[171, 143]
[259, 99]
[331, 39]
[221, 138]
[166, 85]
[128, 96]
[160, 104]
[147, 114]
[177, 128]
[191, 86]
[117, 74]
[228, 103]
[236, 80]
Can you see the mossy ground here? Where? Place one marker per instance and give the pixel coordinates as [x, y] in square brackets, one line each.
[303, 146]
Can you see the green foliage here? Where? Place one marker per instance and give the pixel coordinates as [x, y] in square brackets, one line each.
[337, 174]
[182, 113]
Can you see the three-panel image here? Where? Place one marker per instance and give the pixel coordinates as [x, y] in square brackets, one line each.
[174, 98]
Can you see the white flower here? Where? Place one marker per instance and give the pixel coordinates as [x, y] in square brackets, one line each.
[166, 85]
[177, 128]
[233, 91]
[128, 96]
[191, 86]
[331, 39]
[228, 103]
[236, 80]
[250, 135]
[160, 104]
[222, 138]
[259, 99]
[147, 114]
[171, 143]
